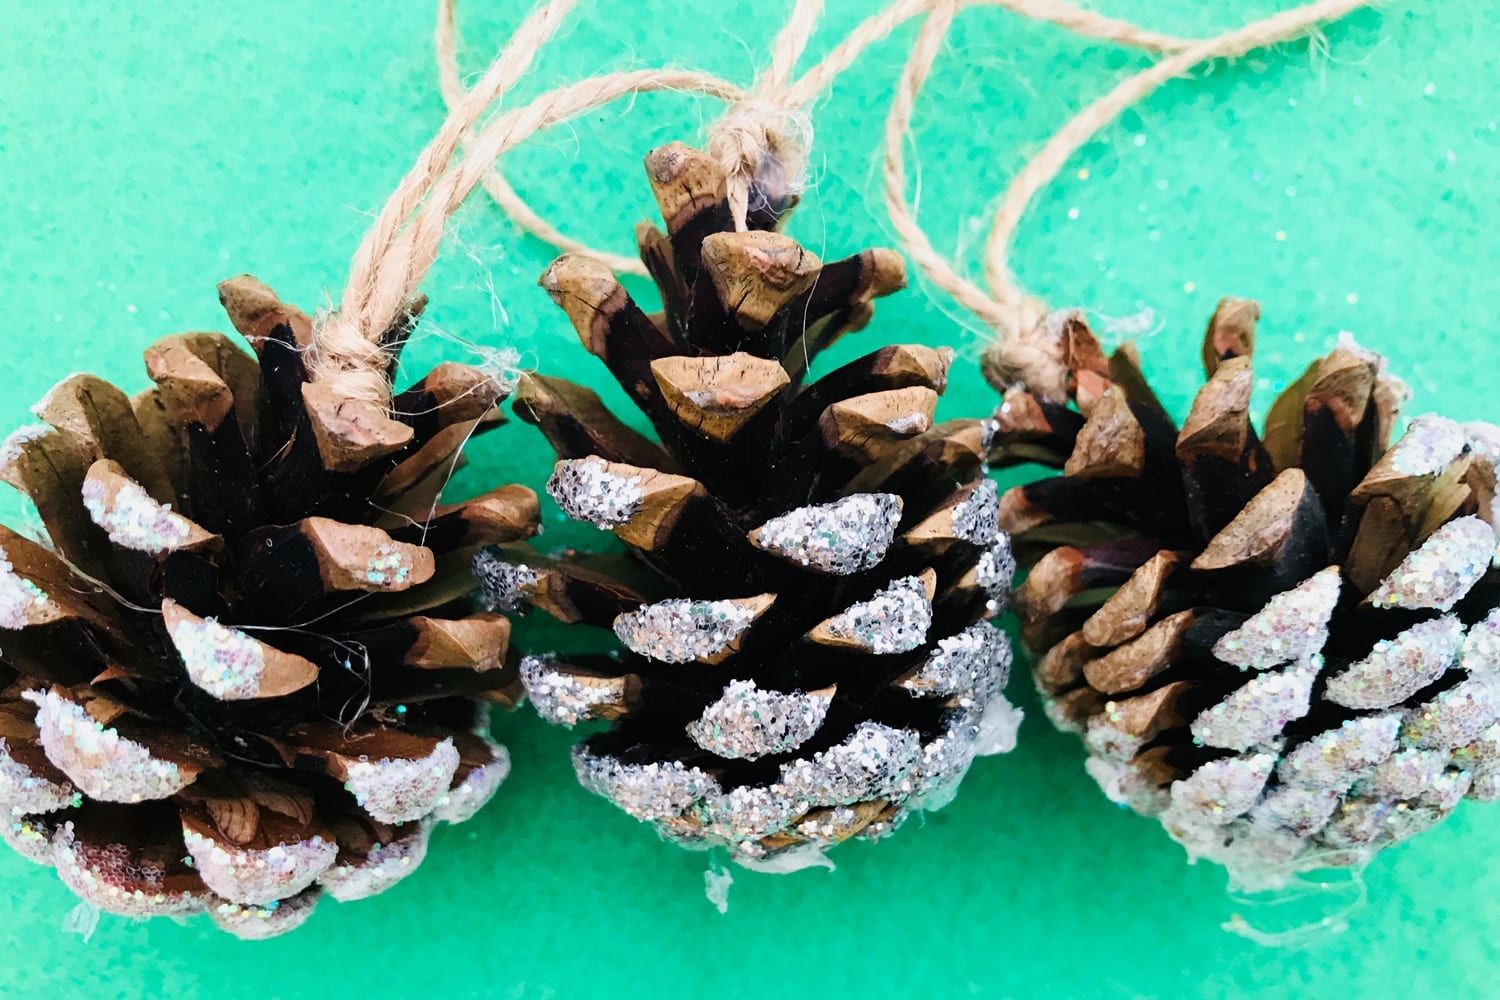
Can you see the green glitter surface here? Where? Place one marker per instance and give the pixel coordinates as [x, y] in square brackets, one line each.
[146, 151]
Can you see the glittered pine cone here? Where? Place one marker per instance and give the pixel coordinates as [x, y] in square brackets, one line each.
[808, 572]
[244, 668]
[1284, 645]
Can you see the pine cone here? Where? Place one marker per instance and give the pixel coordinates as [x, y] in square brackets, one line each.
[247, 670]
[1285, 646]
[802, 604]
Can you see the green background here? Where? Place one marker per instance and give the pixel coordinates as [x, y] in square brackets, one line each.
[148, 150]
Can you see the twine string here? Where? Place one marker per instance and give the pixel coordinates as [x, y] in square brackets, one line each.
[798, 94]
[345, 352]
[1025, 351]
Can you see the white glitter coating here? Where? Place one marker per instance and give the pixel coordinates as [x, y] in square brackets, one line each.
[134, 520]
[747, 723]
[1398, 668]
[1429, 446]
[102, 763]
[1454, 717]
[587, 490]
[27, 836]
[1442, 569]
[1292, 625]
[398, 790]
[225, 662]
[869, 764]
[253, 876]
[1405, 774]
[895, 620]
[14, 445]
[680, 630]
[976, 518]
[976, 660]
[20, 598]
[843, 537]
[1295, 809]
[1336, 758]
[649, 792]
[24, 791]
[1223, 789]
[1481, 650]
[383, 867]
[563, 698]
[1260, 709]
[258, 923]
[470, 795]
[109, 877]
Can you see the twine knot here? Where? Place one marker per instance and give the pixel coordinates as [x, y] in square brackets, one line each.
[762, 145]
[347, 361]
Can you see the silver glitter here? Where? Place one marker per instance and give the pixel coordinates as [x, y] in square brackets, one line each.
[477, 787]
[1293, 624]
[995, 571]
[133, 519]
[749, 813]
[1454, 717]
[111, 878]
[1481, 652]
[1428, 447]
[383, 867]
[102, 763]
[747, 723]
[1442, 569]
[680, 630]
[389, 568]
[504, 584]
[1259, 710]
[1222, 789]
[895, 620]
[649, 792]
[24, 791]
[257, 923]
[1405, 774]
[22, 602]
[869, 764]
[988, 428]
[564, 698]
[976, 518]
[398, 789]
[1295, 809]
[844, 537]
[975, 660]
[225, 662]
[1357, 823]
[1336, 758]
[1398, 668]
[256, 876]
[587, 490]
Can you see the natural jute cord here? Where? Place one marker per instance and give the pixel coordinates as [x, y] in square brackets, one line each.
[765, 133]
[1024, 351]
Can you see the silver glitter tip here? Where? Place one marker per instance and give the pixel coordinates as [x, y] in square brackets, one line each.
[1292, 625]
[1442, 569]
[844, 537]
[680, 630]
[747, 723]
[587, 490]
